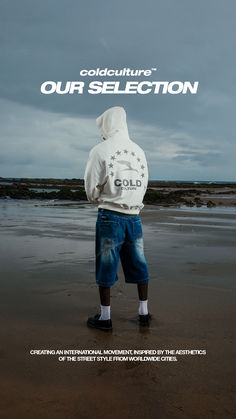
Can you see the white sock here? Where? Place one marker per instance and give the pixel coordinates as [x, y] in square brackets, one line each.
[105, 313]
[143, 307]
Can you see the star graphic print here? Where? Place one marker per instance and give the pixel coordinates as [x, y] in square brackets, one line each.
[127, 160]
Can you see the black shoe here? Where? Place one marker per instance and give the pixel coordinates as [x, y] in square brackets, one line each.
[145, 319]
[99, 324]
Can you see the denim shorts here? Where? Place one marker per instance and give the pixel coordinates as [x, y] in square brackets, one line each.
[119, 236]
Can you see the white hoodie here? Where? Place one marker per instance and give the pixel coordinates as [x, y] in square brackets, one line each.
[116, 174]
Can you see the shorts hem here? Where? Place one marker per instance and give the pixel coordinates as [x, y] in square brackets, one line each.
[133, 281]
[105, 284]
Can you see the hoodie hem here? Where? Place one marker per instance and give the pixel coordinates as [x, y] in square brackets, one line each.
[117, 208]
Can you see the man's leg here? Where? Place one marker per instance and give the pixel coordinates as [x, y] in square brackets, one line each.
[143, 299]
[105, 303]
[104, 295]
[107, 258]
[102, 321]
[143, 291]
[135, 266]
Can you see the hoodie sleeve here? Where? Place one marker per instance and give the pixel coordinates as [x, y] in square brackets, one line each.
[94, 177]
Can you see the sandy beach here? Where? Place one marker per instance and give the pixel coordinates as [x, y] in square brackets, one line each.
[48, 291]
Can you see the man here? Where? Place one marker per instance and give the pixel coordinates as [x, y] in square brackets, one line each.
[116, 178]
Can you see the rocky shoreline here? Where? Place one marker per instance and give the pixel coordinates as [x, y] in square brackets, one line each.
[158, 193]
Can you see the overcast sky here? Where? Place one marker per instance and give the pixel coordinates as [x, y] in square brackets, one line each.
[188, 137]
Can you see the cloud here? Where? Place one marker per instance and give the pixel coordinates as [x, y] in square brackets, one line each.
[38, 143]
[185, 136]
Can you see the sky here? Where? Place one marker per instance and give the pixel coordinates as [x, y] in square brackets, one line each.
[185, 137]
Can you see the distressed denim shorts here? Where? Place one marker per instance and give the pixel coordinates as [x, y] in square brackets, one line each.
[119, 236]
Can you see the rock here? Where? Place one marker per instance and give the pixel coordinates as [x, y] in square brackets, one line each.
[211, 204]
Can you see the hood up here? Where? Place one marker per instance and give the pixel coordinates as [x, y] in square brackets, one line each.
[112, 121]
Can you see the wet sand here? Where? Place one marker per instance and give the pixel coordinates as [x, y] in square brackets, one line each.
[48, 291]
